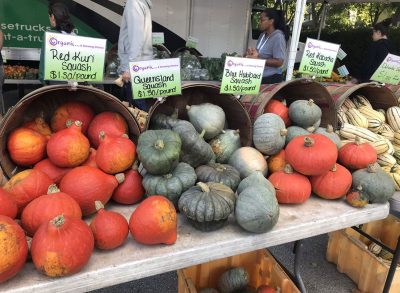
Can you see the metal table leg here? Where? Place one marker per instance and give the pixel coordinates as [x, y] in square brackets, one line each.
[298, 246]
[393, 266]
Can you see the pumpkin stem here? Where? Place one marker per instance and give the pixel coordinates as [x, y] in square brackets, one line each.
[135, 165]
[288, 169]
[120, 177]
[220, 167]
[204, 187]
[284, 102]
[125, 135]
[334, 168]
[187, 107]
[58, 221]
[99, 205]
[329, 128]
[78, 123]
[159, 144]
[168, 176]
[202, 133]
[53, 189]
[310, 129]
[284, 132]
[237, 131]
[69, 122]
[372, 168]
[359, 187]
[102, 135]
[310, 102]
[358, 140]
[308, 141]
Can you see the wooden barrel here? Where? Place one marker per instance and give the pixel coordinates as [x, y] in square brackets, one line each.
[196, 92]
[297, 89]
[378, 95]
[45, 100]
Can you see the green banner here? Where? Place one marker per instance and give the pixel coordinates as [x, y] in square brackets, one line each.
[156, 78]
[318, 58]
[388, 71]
[75, 58]
[24, 23]
[242, 75]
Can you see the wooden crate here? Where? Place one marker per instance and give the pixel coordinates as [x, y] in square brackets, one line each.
[349, 250]
[260, 264]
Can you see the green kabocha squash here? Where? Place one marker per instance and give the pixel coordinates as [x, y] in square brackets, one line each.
[162, 121]
[159, 150]
[221, 173]
[248, 160]
[377, 184]
[294, 131]
[208, 117]
[234, 280]
[207, 206]
[195, 151]
[255, 179]
[257, 209]
[305, 113]
[330, 133]
[225, 144]
[269, 133]
[171, 185]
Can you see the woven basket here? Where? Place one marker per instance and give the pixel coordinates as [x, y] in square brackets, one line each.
[194, 93]
[45, 100]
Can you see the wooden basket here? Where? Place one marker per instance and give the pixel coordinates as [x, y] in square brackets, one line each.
[260, 264]
[395, 90]
[297, 89]
[349, 250]
[378, 95]
[194, 93]
[45, 100]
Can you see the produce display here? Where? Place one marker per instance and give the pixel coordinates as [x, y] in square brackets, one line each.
[20, 72]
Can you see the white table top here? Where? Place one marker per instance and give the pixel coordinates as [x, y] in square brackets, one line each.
[134, 261]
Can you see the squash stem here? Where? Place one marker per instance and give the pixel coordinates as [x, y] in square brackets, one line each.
[53, 189]
[308, 141]
[310, 102]
[58, 221]
[357, 140]
[372, 168]
[204, 187]
[288, 169]
[120, 177]
[99, 205]
[329, 128]
[334, 168]
[159, 144]
[202, 133]
[102, 135]
[284, 132]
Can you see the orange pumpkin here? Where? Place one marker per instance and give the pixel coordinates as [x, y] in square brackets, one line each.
[290, 187]
[115, 154]
[357, 155]
[54, 172]
[279, 108]
[154, 221]
[131, 190]
[8, 206]
[26, 146]
[46, 207]
[72, 110]
[276, 162]
[333, 184]
[13, 248]
[87, 184]
[68, 147]
[111, 123]
[39, 125]
[27, 185]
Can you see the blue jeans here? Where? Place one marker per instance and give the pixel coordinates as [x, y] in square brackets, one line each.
[139, 103]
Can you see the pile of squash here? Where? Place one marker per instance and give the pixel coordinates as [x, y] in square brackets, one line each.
[378, 127]
[74, 165]
[303, 158]
[199, 165]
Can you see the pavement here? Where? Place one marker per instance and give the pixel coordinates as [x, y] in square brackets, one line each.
[319, 276]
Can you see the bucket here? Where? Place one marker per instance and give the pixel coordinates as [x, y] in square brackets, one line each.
[378, 95]
[297, 89]
[45, 100]
[395, 90]
[194, 93]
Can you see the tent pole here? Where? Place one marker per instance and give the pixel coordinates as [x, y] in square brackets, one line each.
[298, 21]
[323, 17]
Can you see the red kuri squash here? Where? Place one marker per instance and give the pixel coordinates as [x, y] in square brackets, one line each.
[54, 172]
[280, 109]
[333, 184]
[8, 206]
[276, 162]
[290, 187]
[154, 221]
[13, 248]
[111, 123]
[87, 184]
[72, 110]
[357, 155]
[26, 146]
[131, 190]
[312, 154]
[68, 147]
[62, 246]
[46, 207]
[39, 125]
[115, 153]
[110, 229]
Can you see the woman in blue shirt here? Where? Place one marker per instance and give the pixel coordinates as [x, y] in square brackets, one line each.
[271, 45]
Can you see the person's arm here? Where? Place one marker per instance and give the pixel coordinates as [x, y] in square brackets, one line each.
[278, 53]
[1, 39]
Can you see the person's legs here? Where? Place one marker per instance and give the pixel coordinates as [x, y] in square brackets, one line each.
[276, 78]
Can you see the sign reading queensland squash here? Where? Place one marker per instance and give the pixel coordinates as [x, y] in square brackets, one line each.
[319, 57]
[388, 71]
[242, 75]
[73, 58]
[156, 78]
